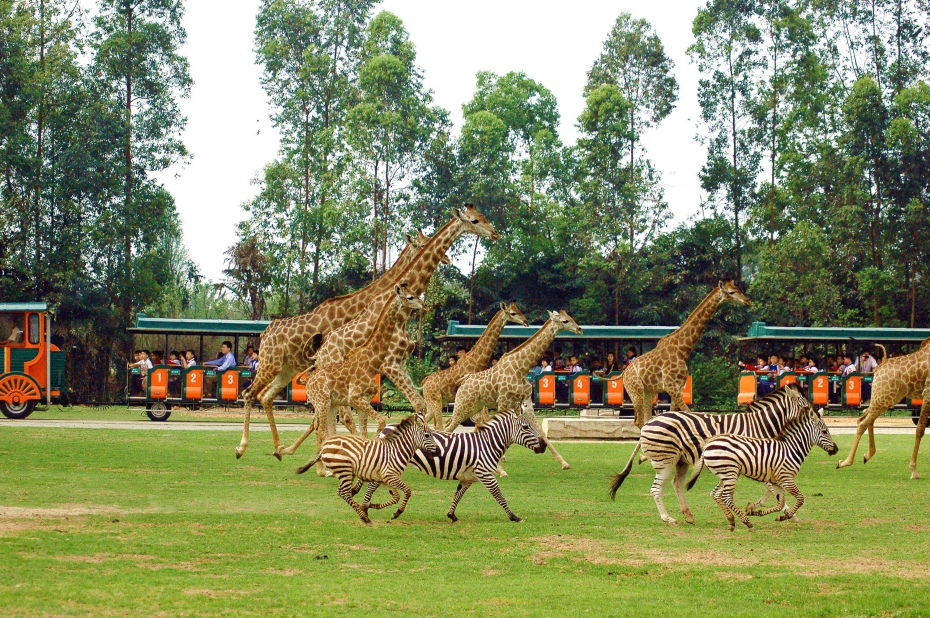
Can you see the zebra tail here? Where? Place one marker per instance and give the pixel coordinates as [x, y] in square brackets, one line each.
[618, 479]
[697, 473]
[309, 464]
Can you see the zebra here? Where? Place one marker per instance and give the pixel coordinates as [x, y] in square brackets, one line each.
[375, 460]
[674, 440]
[474, 456]
[775, 462]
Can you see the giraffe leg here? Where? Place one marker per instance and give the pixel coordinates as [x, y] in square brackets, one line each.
[459, 492]
[466, 402]
[636, 397]
[792, 489]
[266, 387]
[921, 427]
[866, 421]
[433, 405]
[681, 471]
[678, 400]
[293, 447]
[361, 404]
[267, 398]
[348, 421]
[401, 379]
[664, 473]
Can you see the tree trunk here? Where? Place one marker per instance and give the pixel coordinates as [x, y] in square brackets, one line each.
[471, 285]
[304, 212]
[374, 226]
[127, 236]
[735, 184]
[37, 214]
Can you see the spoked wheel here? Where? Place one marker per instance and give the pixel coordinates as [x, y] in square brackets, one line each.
[19, 394]
[157, 411]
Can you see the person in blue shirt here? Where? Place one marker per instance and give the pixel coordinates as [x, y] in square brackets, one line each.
[226, 361]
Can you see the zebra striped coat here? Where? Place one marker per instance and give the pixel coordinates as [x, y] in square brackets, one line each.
[775, 462]
[382, 461]
[675, 440]
[471, 457]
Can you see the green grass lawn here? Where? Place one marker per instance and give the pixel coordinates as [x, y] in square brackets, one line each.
[146, 523]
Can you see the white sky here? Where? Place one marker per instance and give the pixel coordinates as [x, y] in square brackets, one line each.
[554, 43]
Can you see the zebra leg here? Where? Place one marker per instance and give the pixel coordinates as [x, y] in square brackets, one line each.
[921, 428]
[773, 490]
[395, 498]
[345, 492]
[717, 494]
[726, 495]
[491, 483]
[459, 492]
[366, 502]
[792, 489]
[663, 474]
[681, 471]
[357, 487]
[393, 481]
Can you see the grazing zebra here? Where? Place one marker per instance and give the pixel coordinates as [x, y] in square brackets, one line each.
[375, 460]
[471, 457]
[675, 440]
[775, 462]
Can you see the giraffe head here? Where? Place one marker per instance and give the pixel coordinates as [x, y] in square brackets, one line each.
[513, 314]
[407, 298]
[418, 241]
[565, 321]
[475, 222]
[732, 294]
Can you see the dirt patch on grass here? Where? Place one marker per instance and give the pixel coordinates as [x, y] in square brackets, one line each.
[62, 512]
[282, 572]
[490, 572]
[862, 566]
[601, 552]
[732, 576]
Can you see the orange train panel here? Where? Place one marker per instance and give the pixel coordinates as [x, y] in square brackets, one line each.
[613, 392]
[298, 390]
[581, 390]
[229, 385]
[820, 390]
[747, 389]
[687, 394]
[852, 391]
[193, 385]
[545, 392]
[917, 401]
[158, 383]
[787, 378]
[377, 397]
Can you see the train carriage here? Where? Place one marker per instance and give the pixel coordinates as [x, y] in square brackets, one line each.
[32, 375]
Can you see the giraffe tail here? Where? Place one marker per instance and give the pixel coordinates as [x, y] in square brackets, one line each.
[309, 464]
[697, 473]
[884, 351]
[619, 478]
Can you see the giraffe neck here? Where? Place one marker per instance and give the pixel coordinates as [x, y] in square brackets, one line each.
[378, 342]
[420, 270]
[688, 334]
[479, 356]
[531, 350]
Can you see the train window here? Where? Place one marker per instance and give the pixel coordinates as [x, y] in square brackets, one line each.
[33, 328]
[11, 328]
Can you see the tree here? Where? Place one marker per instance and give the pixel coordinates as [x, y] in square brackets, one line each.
[247, 275]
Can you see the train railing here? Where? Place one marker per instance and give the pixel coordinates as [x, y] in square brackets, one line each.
[587, 390]
[829, 390]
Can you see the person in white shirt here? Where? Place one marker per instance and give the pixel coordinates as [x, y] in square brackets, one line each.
[867, 363]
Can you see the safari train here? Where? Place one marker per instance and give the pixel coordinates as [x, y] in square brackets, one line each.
[33, 376]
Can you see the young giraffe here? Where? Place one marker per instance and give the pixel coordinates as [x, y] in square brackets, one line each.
[504, 386]
[289, 345]
[352, 381]
[350, 336]
[896, 378]
[665, 368]
[439, 388]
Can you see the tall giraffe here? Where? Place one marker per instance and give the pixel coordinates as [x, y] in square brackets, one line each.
[353, 334]
[665, 367]
[351, 382]
[289, 345]
[504, 386]
[896, 378]
[439, 388]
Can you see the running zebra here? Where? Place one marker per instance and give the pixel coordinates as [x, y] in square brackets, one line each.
[675, 440]
[474, 456]
[775, 462]
[382, 461]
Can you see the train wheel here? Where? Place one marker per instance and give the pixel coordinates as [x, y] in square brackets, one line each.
[157, 412]
[19, 394]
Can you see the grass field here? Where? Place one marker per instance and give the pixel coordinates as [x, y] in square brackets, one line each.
[116, 522]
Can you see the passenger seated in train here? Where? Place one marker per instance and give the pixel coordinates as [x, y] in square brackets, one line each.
[158, 358]
[190, 360]
[137, 381]
[11, 329]
[558, 363]
[174, 358]
[630, 356]
[597, 366]
[611, 366]
[248, 356]
[225, 360]
[253, 360]
[573, 365]
[461, 352]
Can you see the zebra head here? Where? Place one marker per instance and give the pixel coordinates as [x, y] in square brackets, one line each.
[423, 437]
[524, 430]
[823, 439]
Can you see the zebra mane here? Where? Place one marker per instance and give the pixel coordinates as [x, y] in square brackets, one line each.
[400, 427]
[778, 392]
[487, 425]
[793, 424]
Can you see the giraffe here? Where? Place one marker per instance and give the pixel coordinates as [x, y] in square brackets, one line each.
[896, 378]
[439, 388]
[289, 344]
[352, 381]
[665, 367]
[504, 386]
[353, 334]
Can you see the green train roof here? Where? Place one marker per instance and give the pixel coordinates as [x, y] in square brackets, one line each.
[456, 331]
[145, 324]
[760, 331]
[23, 306]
